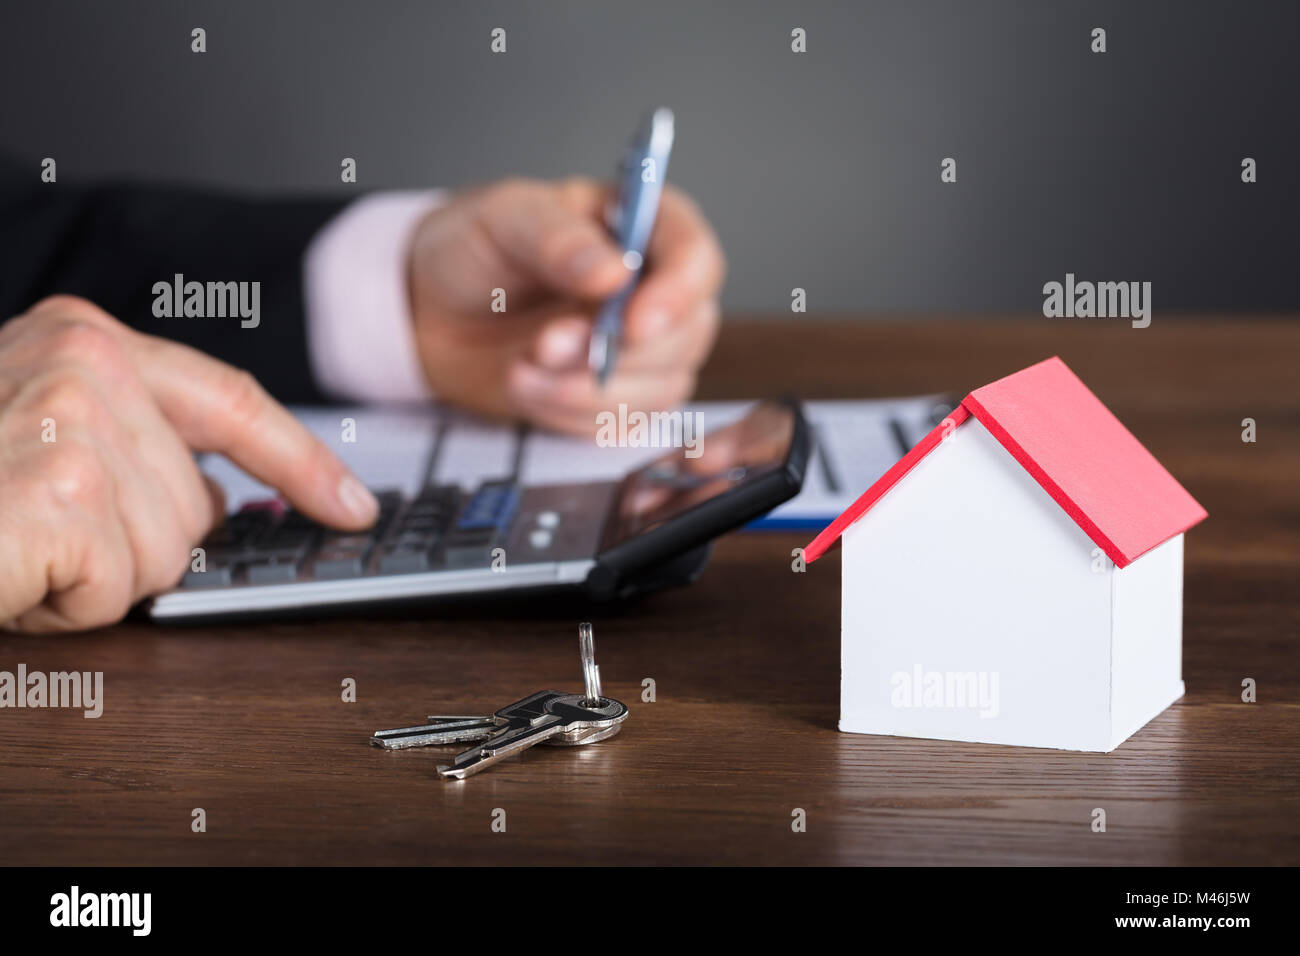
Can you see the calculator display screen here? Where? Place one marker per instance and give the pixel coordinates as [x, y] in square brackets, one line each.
[709, 465]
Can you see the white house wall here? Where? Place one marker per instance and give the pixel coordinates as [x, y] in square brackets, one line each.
[967, 568]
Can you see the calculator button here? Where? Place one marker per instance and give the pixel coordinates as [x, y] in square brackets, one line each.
[212, 578]
[493, 506]
[468, 549]
[331, 565]
[287, 539]
[413, 541]
[272, 572]
[403, 561]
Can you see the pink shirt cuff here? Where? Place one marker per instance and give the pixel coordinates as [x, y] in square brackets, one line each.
[360, 335]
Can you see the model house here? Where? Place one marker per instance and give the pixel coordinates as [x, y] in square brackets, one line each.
[1016, 578]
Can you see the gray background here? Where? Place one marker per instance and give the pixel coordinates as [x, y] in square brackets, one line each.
[819, 170]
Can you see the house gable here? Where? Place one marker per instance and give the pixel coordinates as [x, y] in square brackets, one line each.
[969, 567]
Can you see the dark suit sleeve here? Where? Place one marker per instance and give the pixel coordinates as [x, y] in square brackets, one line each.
[112, 242]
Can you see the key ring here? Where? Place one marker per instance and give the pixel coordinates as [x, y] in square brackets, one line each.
[590, 672]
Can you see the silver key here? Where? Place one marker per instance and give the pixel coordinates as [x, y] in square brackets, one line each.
[443, 730]
[437, 732]
[544, 717]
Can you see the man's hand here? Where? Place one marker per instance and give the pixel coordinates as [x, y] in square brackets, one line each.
[544, 245]
[100, 498]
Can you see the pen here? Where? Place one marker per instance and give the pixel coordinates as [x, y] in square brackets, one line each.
[630, 219]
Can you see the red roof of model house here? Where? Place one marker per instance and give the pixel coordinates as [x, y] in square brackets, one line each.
[1072, 445]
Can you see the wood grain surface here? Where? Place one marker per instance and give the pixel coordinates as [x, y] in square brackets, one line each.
[247, 722]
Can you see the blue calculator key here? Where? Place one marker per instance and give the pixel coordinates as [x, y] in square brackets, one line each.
[493, 506]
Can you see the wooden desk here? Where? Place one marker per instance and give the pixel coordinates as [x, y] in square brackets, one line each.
[248, 724]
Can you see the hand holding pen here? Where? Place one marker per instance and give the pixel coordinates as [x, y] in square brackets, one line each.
[545, 251]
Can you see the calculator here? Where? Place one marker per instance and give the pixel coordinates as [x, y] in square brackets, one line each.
[606, 540]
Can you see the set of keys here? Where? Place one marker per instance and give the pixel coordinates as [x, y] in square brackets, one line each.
[547, 717]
